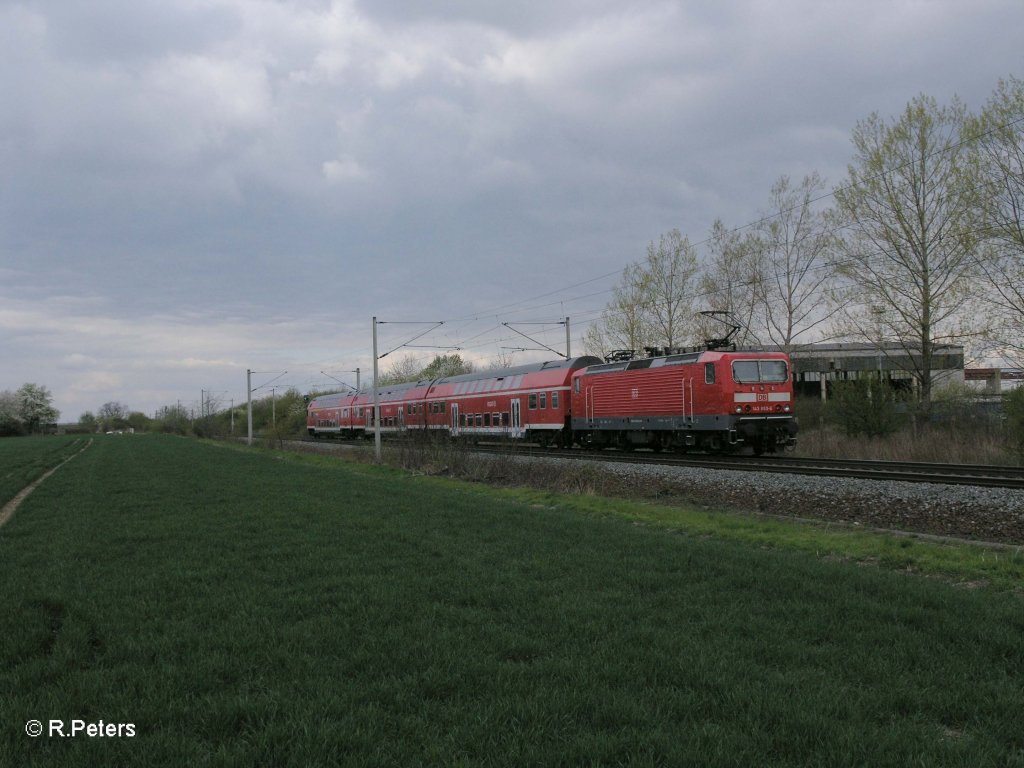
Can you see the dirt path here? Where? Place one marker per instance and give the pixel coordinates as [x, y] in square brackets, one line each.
[8, 510]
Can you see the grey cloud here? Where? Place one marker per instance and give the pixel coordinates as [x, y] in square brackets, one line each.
[287, 159]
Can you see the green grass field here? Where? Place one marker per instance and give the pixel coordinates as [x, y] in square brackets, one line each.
[25, 459]
[245, 608]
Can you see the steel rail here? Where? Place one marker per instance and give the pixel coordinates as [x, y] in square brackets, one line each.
[911, 472]
[979, 475]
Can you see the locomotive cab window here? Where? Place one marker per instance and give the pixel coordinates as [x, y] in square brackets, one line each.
[709, 373]
[754, 371]
[773, 371]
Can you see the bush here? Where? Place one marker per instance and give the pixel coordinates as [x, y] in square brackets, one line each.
[1013, 404]
[865, 407]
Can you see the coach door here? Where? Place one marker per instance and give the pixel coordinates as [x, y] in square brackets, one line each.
[516, 419]
[455, 418]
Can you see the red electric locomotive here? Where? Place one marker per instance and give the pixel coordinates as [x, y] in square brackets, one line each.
[712, 400]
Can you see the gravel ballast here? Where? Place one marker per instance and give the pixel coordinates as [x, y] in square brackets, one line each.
[986, 514]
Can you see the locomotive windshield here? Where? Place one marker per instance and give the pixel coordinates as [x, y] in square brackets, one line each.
[754, 371]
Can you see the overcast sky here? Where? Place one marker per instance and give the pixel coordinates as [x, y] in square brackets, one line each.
[191, 188]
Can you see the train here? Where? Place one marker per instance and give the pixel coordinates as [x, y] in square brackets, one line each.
[709, 400]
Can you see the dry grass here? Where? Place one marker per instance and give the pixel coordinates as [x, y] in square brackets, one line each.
[960, 433]
[924, 444]
[447, 458]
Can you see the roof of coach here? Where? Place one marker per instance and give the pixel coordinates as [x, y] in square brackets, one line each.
[328, 401]
[550, 365]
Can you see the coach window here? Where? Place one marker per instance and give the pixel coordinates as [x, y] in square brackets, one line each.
[543, 399]
[554, 400]
[576, 385]
[479, 420]
[440, 407]
[504, 419]
[533, 401]
[487, 419]
[709, 373]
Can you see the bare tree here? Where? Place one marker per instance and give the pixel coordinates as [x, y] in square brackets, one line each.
[909, 247]
[503, 359]
[404, 368]
[794, 270]
[625, 322]
[112, 415]
[654, 303]
[730, 281]
[667, 280]
[998, 156]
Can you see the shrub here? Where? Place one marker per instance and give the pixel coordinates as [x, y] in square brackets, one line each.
[865, 407]
[1013, 404]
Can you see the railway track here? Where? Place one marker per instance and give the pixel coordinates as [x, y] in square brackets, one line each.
[979, 475]
[991, 476]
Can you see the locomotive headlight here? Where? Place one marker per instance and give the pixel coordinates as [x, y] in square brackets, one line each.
[785, 408]
[739, 409]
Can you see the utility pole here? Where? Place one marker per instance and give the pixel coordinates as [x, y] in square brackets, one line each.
[376, 371]
[248, 386]
[568, 343]
[248, 389]
[376, 396]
